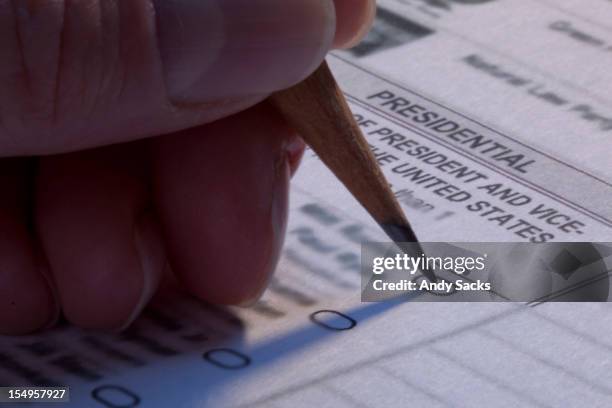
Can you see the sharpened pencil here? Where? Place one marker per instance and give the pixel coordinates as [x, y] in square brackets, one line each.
[317, 109]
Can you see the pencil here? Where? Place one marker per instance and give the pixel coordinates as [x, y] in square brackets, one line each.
[317, 109]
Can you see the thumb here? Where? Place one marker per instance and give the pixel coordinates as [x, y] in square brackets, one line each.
[79, 74]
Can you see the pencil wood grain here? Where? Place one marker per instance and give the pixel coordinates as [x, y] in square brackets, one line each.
[317, 109]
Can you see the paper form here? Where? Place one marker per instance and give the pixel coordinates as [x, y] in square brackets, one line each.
[501, 71]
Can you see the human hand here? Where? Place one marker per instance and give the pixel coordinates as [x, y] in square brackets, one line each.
[195, 183]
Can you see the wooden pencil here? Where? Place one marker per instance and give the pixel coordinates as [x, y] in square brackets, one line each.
[317, 109]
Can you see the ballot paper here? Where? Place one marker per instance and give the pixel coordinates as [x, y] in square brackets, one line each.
[492, 120]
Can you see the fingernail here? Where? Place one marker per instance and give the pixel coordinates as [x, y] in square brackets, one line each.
[150, 249]
[218, 49]
[354, 21]
[278, 217]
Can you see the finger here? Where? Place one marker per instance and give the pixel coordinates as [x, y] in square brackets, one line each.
[132, 69]
[26, 299]
[221, 190]
[357, 17]
[99, 234]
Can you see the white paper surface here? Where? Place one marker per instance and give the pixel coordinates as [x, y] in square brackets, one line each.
[185, 354]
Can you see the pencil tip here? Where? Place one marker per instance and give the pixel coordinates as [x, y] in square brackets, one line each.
[403, 233]
[399, 233]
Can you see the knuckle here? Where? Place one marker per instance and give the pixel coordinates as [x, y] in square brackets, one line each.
[68, 65]
[63, 61]
[88, 71]
[30, 32]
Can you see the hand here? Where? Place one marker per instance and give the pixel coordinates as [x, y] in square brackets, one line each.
[92, 233]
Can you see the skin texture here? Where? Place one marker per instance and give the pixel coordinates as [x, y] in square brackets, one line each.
[135, 149]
